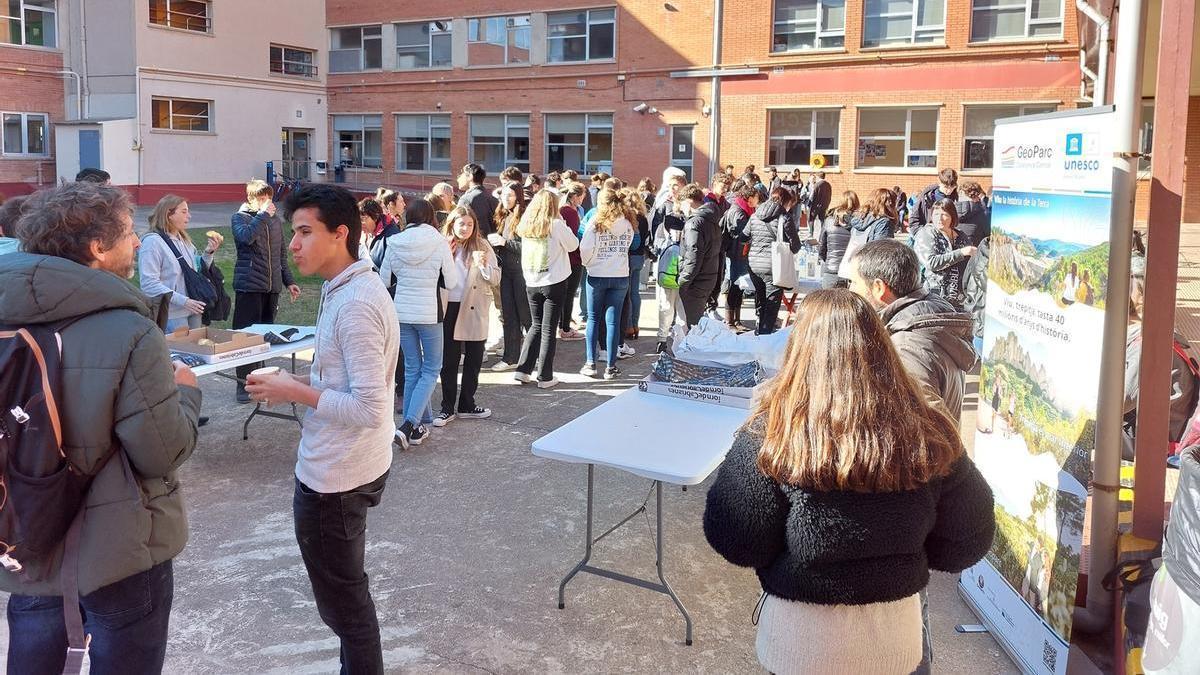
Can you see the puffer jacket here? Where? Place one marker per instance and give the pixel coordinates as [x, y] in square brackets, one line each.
[943, 261]
[975, 286]
[262, 263]
[974, 220]
[925, 201]
[843, 547]
[876, 227]
[415, 259]
[735, 237]
[934, 342]
[700, 250]
[763, 233]
[831, 245]
[118, 396]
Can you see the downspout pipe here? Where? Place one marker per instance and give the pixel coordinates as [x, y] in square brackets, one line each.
[1103, 24]
[714, 129]
[78, 92]
[1106, 476]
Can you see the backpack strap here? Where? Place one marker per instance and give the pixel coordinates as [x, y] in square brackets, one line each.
[77, 641]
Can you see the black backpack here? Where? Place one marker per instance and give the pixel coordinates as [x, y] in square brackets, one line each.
[41, 491]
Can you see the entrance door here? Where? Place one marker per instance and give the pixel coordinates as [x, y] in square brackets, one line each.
[89, 149]
[682, 149]
[296, 153]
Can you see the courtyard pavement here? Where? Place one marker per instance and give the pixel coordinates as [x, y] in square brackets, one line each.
[466, 551]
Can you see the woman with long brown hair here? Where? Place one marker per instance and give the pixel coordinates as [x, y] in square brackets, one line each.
[604, 251]
[834, 238]
[878, 217]
[843, 490]
[465, 327]
[514, 304]
[771, 219]
[546, 242]
[164, 252]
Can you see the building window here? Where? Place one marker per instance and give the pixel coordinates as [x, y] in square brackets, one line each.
[809, 24]
[423, 45]
[897, 137]
[195, 15]
[797, 135]
[28, 22]
[499, 141]
[26, 134]
[359, 140]
[583, 35]
[904, 22]
[1015, 19]
[979, 127]
[582, 142]
[293, 61]
[1146, 138]
[423, 143]
[498, 40]
[354, 49]
[180, 114]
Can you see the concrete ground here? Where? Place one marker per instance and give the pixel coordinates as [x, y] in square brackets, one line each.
[466, 551]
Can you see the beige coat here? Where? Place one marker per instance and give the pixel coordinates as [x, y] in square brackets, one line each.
[472, 325]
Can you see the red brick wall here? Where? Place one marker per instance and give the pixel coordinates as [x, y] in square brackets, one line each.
[36, 88]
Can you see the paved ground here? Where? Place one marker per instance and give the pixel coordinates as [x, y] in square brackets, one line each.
[465, 554]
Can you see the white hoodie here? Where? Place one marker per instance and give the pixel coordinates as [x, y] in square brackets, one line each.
[416, 257]
[607, 254]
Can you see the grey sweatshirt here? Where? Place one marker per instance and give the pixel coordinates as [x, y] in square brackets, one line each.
[347, 438]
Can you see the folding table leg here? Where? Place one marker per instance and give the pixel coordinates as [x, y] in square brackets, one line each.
[659, 562]
[587, 555]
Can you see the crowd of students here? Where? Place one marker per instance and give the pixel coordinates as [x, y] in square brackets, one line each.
[410, 284]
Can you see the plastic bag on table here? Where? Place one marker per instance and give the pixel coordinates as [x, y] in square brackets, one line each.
[712, 343]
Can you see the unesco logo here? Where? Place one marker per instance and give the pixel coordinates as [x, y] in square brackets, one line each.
[1074, 144]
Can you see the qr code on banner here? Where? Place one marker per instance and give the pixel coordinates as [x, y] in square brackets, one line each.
[1049, 656]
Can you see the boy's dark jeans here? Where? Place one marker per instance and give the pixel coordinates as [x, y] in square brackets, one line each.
[331, 530]
[127, 620]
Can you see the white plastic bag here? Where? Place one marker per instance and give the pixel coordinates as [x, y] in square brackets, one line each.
[783, 261]
[712, 343]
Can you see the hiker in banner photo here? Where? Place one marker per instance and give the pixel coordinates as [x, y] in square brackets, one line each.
[129, 421]
[345, 451]
[261, 272]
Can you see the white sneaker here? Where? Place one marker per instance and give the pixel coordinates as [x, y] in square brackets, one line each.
[625, 351]
[588, 369]
[522, 377]
[503, 366]
[547, 384]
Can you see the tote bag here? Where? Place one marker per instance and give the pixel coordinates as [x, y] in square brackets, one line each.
[858, 239]
[783, 261]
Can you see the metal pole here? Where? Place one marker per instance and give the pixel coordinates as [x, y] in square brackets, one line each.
[714, 128]
[1106, 477]
[1162, 257]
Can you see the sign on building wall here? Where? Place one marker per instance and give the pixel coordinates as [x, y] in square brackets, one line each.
[1039, 384]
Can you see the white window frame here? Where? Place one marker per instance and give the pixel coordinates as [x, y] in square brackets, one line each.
[434, 32]
[512, 122]
[836, 153]
[207, 18]
[307, 69]
[935, 34]
[361, 143]
[1022, 109]
[817, 29]
[589, 165]
[980, 6]
[24, 151]
[361, 48]
[171, 115]
[509, 28]
[586, 36]
[432, 121]
[907, 138]
[52, 10]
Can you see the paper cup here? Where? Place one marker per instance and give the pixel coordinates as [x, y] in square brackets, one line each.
[264, 372]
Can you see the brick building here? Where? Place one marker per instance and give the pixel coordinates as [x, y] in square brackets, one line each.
[417, 89]
[31, 94]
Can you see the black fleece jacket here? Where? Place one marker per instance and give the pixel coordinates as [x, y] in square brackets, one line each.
[845, 548]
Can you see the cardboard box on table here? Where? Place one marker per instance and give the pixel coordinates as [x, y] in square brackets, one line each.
[227, 344]
[732, 397]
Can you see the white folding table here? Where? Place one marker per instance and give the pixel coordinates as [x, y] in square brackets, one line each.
[307, 340]
[667, 440]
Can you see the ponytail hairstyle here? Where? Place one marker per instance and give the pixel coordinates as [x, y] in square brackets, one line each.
[609, 208]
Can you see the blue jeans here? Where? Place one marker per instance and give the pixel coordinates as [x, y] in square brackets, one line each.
[422, 346]
[127, 620]
[192, 321]
[636, 263]
[605, 297]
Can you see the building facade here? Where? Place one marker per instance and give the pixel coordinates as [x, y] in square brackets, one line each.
[31, 93]
[419, 89]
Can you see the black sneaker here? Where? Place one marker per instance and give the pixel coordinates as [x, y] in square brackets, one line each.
[443, 418]
[477, 414]
[417, 435]
[243, 396]
[402, 435]
[611, 372]
[203, 420]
